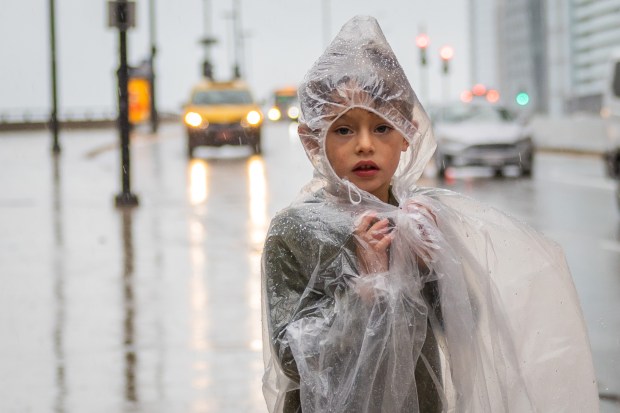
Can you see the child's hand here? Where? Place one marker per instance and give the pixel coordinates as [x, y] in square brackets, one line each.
[373, 236]
[425, 227]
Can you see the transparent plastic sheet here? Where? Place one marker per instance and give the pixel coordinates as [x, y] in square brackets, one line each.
[477, 312]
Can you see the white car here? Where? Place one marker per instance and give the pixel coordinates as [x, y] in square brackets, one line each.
[472, 134]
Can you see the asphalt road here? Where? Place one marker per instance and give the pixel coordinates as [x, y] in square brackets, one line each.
[157, 309]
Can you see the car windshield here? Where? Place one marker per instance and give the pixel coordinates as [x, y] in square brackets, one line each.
[473, 113]
[222, 97]
[286, 100]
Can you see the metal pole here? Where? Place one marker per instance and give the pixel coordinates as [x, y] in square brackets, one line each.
[125, 198]
[54, 114]
[236, 39]
[154, 114]
[207, 29]
[446, 81]
[207, 41]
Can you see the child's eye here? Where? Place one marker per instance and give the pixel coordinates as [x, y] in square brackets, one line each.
[342, 130]
[383, 129]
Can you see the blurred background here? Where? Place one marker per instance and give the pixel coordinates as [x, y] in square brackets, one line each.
[144, 152]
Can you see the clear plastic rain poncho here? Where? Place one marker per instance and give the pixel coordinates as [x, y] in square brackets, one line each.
[477, 311]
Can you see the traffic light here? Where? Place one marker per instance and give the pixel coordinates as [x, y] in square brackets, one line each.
[446, 53]
[522, 98]
[422, 41]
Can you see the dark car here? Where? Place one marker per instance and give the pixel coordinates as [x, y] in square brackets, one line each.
[476, 134]
[222, 113]
[610, 112]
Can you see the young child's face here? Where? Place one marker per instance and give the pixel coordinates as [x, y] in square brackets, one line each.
[364, 148]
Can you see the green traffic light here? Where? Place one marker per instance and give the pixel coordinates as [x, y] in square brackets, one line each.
[522, 98]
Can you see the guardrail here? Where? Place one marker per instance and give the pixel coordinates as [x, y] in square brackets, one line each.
[15, 119]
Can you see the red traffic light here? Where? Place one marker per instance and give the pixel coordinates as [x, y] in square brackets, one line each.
[492, 95]
[422, 40]
[479, 89]
[446, 53]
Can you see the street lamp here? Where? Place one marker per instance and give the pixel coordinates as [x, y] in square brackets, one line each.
[446, 53]
[422, 41]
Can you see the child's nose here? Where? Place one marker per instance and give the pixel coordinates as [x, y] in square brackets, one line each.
[364, 142]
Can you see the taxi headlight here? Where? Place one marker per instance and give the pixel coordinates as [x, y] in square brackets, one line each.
[274, 114]
[194, 119]
[293, 112]
[253, 118]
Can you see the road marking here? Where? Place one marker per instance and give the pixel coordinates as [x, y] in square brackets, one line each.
[101, 149]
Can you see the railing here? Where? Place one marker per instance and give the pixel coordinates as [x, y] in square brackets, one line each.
[30, 119]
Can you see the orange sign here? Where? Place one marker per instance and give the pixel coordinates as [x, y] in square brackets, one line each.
[139, 100]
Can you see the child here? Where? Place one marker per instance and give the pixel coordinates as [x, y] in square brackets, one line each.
[380, 296]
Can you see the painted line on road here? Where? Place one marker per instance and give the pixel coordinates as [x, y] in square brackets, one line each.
[101, 149]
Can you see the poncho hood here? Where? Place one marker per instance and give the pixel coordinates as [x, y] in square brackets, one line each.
[359, 70]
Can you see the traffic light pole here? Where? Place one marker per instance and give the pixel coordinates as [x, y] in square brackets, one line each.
[125, 198]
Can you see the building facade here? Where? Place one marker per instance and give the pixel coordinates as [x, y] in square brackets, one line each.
[557, 51]
[594, 34]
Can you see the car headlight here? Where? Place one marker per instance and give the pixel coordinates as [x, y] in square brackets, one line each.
[253, 118]
[194, 119]
[293, 112]
[274, 114]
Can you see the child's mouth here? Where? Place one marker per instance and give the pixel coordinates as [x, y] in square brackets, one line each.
[365, 169]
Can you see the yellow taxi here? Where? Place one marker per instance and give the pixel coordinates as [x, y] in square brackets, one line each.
[222, 113]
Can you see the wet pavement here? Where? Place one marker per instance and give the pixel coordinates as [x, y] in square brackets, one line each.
[157, 308]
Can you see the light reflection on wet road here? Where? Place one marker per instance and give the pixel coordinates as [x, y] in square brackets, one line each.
[157, 309]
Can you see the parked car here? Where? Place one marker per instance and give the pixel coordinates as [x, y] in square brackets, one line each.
[222, 113]
[610, 112]
[477, 134]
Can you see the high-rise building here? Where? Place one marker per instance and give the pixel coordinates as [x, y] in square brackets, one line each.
[522, 52]
[555, 51]
[484, 48]
[594, 34]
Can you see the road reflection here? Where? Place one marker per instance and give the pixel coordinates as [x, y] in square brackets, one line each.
[129, 304]
[257, 194]
[58, 288]
[227, 226]
[198, 181]
[198, 171]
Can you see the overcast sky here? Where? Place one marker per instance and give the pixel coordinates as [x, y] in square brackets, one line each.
[282, 40]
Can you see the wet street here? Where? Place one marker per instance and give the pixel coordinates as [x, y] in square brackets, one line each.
[156, 309]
